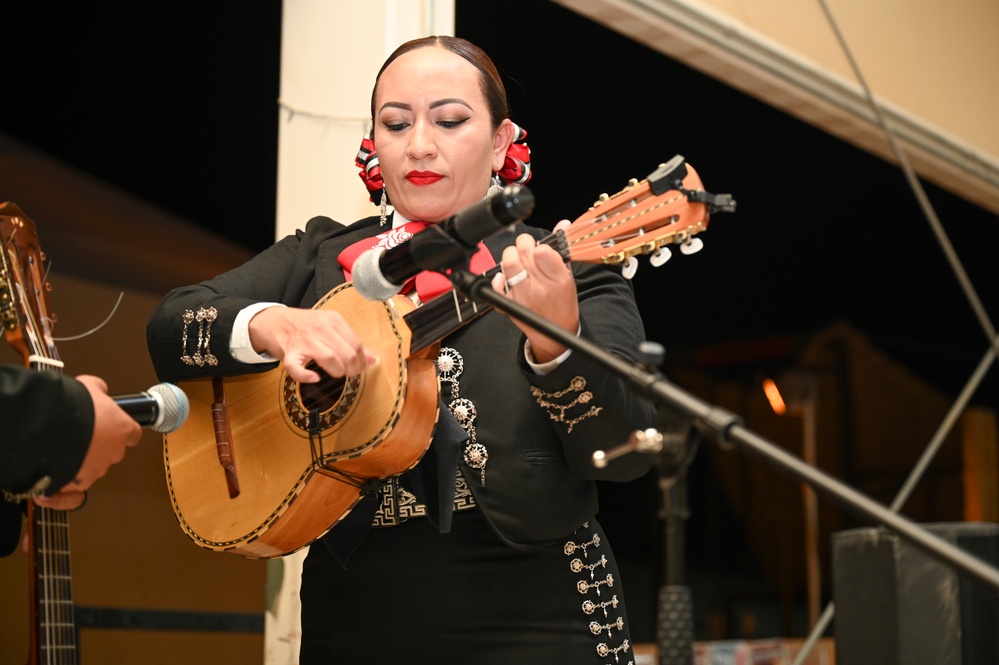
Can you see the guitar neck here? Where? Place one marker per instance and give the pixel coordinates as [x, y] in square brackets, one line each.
[53, 631]
[442, 316]
[26, 322]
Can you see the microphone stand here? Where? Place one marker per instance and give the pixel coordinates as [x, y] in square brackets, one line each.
[723, 427]
[675, 616]
[674, 444]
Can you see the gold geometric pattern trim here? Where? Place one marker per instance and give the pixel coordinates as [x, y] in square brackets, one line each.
[399, 504]
[557, 411]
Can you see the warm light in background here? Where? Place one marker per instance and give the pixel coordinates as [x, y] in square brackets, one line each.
[773, 394]
[799, 387]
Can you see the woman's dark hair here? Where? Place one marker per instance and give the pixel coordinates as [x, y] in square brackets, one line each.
[489, 78]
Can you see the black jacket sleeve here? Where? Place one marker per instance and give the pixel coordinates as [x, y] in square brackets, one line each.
[48, 422]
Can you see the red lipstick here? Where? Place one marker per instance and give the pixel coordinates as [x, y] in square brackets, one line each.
[423, 178]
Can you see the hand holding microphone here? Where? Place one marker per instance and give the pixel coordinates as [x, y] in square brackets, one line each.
[164, 407]
[117, 427]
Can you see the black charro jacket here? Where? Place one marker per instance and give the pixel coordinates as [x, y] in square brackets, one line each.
[539, 475]
[49, 419]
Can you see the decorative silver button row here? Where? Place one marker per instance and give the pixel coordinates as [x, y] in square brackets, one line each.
[571, 547]
[597, 628]
[450, 366]
[577, 565]
[603, 650]
[589, 607]
[583, 586]
[204, 337]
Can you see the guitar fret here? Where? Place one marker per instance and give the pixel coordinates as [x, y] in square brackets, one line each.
[54, 607]
[439, 318]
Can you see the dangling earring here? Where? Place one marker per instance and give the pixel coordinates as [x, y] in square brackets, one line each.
[495, 185]
[383, 208]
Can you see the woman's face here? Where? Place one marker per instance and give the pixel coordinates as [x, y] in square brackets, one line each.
[435, 141]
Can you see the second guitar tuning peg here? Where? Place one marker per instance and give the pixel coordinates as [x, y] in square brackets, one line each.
[660, 256]
[692, 246]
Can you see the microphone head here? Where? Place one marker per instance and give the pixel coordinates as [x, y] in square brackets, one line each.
[495, 213]
[367, 277]
[512, 204]
[174, 407]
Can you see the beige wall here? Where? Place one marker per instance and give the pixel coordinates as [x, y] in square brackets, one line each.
[930, 65]
[937, 60]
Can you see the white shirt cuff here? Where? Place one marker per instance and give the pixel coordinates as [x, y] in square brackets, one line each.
[544, 368]
[239, 339]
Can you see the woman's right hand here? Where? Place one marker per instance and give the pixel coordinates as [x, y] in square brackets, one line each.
[296, 336]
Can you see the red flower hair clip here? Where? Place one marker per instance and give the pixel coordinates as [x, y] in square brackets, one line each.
[517, 165]
[371, 171]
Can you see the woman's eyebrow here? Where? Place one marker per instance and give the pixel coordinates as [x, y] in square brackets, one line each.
[396, 105]
[433, 105]
[451, 100]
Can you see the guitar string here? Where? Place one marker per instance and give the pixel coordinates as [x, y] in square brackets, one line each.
[51, 527]
[58, 572]
[580, 235]
[47, 547]
[437, 311]
[100, 325]
[440, 313]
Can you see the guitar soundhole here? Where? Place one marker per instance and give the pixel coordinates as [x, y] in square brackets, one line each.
[322, 395]
[331, 396]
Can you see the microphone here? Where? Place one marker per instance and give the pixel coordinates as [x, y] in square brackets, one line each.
[378, 274]
[164, 407]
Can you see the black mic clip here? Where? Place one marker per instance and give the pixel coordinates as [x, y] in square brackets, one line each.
[441, 250]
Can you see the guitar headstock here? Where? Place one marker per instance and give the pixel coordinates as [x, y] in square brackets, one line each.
[668, 207]
[25, 316]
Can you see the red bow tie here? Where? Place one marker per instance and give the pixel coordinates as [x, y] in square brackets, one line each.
[429, 284]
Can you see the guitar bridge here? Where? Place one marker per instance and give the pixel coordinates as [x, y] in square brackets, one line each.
[223, 437]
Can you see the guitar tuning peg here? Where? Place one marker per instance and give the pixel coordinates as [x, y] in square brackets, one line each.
[692, 246]
[630, 268]
[661, 256]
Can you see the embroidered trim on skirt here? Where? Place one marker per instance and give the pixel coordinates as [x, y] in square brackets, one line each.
[412, 595]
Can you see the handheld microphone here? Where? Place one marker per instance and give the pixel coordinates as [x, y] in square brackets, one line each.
[378, 274]
[164, 407]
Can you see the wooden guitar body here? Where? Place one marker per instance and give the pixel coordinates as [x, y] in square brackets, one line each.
[266, 484]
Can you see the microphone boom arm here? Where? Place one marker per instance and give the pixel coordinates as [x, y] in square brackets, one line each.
[727, 429]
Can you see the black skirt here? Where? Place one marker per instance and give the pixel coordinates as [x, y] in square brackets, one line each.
[413, 595]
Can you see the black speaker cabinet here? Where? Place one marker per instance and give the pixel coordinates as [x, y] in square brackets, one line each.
[897, 605]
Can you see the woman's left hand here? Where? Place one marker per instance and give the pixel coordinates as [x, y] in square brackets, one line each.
[536, 277]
